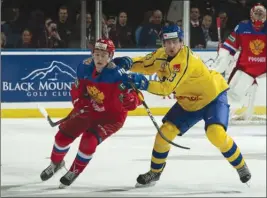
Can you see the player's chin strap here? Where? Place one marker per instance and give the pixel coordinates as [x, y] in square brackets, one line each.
[153, 119]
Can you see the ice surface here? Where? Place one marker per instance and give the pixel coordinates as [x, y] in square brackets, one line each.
[202, 171]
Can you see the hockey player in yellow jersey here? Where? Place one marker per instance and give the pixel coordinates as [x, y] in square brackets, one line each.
[201, 95]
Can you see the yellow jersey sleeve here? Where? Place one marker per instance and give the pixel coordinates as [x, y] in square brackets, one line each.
[178, 68]
[150, 63]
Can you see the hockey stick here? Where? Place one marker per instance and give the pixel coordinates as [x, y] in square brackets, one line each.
[218, 23]
[45, 114]
[153, 119]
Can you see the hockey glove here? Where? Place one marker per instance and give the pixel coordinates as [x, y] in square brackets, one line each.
[124, 62]
[79, 101]
[139, 80]
[130, 101]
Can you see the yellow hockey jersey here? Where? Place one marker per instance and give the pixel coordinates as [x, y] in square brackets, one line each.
[193, 84]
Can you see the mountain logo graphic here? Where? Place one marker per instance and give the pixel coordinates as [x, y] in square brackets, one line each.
[51, 72]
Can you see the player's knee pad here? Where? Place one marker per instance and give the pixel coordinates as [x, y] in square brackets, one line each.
[217, 135]
[169, 130]
[63, 140]
[239, 85]
[88, 143]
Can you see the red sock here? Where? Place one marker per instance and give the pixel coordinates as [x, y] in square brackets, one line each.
[61, 147]
[87, 148]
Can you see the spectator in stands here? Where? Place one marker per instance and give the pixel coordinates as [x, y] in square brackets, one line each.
[36, 24]
[64, 26]
[231, 7]
[53, 39]
[197, 39]
[104, 27]
[150, 33]
[43, 38]
[147, 19]
[121, 35]
[47, 22]
[12, 26]
[225, 31]
[3, 40]
[90, 32]
[26, 40]
[111, 23]
[208, 32]
[180, 23]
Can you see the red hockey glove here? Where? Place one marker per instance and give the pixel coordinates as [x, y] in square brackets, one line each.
[130, 101]
[79, 101]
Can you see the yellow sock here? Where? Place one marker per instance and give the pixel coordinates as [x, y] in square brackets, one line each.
[219, 138]
[161, 147]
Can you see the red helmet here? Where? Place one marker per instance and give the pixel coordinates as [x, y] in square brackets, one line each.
[258, 15]
[105, 45]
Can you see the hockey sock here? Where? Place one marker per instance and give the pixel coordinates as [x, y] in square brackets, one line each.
[61, 147]
[87, 148]
[161, 147]
[219, 138]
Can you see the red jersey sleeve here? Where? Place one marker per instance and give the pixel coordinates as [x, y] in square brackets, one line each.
[232, 43]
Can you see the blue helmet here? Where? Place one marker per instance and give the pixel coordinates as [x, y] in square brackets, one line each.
[172, 31]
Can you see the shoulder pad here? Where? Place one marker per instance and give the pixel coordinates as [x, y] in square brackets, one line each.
[88, 61]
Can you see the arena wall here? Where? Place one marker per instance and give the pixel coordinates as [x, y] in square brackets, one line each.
[44, 77]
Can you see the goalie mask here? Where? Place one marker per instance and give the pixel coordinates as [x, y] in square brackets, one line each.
[258, 15]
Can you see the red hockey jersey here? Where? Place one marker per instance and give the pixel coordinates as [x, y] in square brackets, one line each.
[103, 92]
[252, 45]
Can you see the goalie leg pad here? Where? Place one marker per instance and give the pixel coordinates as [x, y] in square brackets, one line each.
[239, 84]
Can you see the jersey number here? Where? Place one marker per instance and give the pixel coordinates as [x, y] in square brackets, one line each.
[172, 77]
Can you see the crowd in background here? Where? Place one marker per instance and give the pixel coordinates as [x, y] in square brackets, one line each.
[42, 31]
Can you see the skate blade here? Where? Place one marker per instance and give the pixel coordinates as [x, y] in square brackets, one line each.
[62, 186]
[137, 185]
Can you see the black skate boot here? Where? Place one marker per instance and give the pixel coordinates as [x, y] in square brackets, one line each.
[51, 170]
[68, 179]
[244, 174]
[149, 178]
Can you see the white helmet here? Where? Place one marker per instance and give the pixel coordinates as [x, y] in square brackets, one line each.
[258, 15]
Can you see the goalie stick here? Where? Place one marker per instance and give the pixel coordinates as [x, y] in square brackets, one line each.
[218, 23]
[153, 119]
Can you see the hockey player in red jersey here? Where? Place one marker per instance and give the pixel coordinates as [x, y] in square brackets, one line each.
[101, 103]
[250, 37]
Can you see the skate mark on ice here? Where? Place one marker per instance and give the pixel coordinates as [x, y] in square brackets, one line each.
[211, 192]
[116, 189]
[14, 186]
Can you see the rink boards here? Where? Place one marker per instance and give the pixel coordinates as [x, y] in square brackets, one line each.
[45, 77]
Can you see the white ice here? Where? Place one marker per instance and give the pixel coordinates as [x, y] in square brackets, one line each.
[202, 171]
